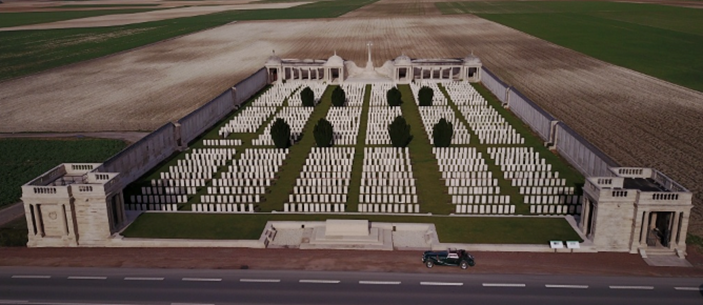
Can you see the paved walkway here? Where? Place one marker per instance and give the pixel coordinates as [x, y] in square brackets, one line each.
[128, 136]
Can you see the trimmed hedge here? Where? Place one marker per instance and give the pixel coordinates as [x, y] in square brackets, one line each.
[308, 97]
[442, 133]
[324, 133]
[280, 133]
[399, 131]
[425, 96]
[339, 97]
[394, 97]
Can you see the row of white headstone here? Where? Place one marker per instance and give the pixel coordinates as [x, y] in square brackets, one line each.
[295, 117]
[319, 190]
[388, 208]
[236, 190]
[345, 124]
[223, 207]
[555, 209]
[167, 190]
[384, 183]
[438, 98]
[222, 142]
[481, 199]
[151, 207]
[431, 115]
[158, 198]
[377, 124]
[554, 199]
[314, 207]
[248, 120]
[493, 209]
[231, 198]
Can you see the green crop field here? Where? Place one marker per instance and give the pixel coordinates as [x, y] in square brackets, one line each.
[22, 160]
[476, 230]
[661, 41]
[17, 19]
[26, 52]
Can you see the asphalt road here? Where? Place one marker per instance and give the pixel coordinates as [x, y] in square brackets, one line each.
[23, 285]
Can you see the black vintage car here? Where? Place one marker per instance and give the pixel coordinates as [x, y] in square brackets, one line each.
[451, 257]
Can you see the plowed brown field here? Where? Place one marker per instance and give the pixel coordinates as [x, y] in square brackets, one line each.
[636, 119]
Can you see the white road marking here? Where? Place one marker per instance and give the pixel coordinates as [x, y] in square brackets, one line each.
[143, 279]
[379, 283]
[502, 285]
[632, 287]
[320, 281]
[87, 277]
[441, 284]
[567, 286]
[31, 276]
[260, 280]
[191, 304]
[198, 279]
[688, 288]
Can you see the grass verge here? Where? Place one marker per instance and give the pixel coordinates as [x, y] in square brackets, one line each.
[477, 230]
[22, 160]
[14, 234]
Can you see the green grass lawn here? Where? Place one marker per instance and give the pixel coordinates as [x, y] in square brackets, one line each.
[27, 52]
[14, 233]
[22, 160]
[661, 41]
[16, 19]
[477, 230]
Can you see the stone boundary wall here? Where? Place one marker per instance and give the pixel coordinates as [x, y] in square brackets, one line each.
[250, 86]
[539, 120]
[143, 155]
[581, 154]
[495, 85]
[198, 121]
[584, 156]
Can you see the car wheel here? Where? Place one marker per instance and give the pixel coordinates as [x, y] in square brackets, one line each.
[464, 265]
[429, 264]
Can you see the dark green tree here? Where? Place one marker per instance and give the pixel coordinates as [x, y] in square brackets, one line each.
[280, 133]
[399, 131]
[425, 96]
[442, 133]
[394, 97]
[308, 97]
[339, 98]
[324, 133]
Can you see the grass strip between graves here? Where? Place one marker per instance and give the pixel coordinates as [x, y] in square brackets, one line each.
[432, 194]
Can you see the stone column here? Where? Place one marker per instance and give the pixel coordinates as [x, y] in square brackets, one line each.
[675, 230]
[451, 73]
[645, 229]
[38, 219]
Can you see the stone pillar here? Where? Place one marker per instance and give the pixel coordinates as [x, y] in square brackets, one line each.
[645, 229]
[451, 73]
[675, 230]
[38, 220]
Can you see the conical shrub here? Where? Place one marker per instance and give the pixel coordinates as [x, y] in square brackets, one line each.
[394, 97]
[425, 96]
[442, 133]
[280, 133]
[399, 131]
[339, 97]
[324, 133]
[308, 97]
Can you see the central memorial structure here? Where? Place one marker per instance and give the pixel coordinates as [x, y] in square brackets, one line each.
[401, 70]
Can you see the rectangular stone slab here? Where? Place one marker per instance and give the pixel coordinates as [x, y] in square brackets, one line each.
[346, 227]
